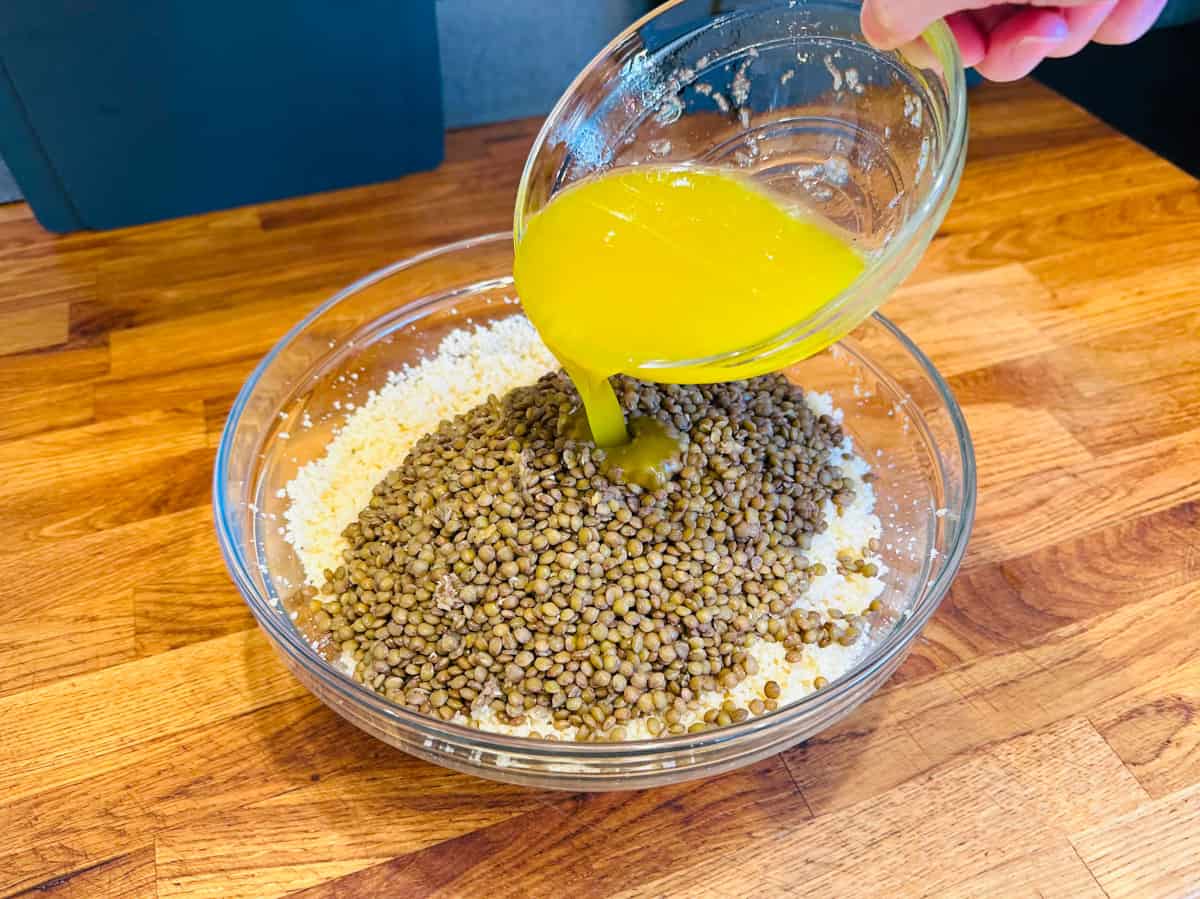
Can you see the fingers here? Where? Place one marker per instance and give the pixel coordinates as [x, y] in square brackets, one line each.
[971, 39]
[887, 24]
[1128, 21]
[1023, 39]
[1006, 41]
[1082, 22]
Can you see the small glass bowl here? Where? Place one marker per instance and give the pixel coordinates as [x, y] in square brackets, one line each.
[897, 408]
[790, 94]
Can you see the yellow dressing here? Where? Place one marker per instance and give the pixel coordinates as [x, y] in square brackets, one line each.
[651, 455]
[643, 266]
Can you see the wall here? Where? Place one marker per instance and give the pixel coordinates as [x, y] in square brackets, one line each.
[503, 60]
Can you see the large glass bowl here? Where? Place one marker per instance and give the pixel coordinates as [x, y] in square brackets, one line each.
[789, 94]
[897, 408]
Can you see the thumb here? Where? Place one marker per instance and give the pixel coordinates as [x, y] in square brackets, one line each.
[888, 24]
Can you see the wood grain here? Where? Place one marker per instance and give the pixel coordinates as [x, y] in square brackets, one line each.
[22, 330]
[1149, 852]
[1042, 739]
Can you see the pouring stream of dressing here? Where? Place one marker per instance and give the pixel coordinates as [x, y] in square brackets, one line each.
[645, 270]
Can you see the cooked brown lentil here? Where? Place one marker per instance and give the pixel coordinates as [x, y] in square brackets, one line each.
[498, 565]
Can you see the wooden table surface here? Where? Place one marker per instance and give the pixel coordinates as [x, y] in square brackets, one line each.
[1042, 739]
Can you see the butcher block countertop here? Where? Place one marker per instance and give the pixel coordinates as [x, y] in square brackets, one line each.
[1042, 739]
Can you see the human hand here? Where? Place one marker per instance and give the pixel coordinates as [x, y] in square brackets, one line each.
[1005, 41]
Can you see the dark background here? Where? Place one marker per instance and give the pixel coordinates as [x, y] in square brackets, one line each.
[1149, 90]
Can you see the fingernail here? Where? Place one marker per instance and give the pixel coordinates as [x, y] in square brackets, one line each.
[1057, 34]
[1039, 42]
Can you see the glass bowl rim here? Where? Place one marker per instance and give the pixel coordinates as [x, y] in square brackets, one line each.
[289, 640]
[944, 46]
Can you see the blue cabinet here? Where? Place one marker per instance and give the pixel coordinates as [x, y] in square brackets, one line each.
[115, 112]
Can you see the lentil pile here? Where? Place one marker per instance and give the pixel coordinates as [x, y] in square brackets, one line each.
[499, 575]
